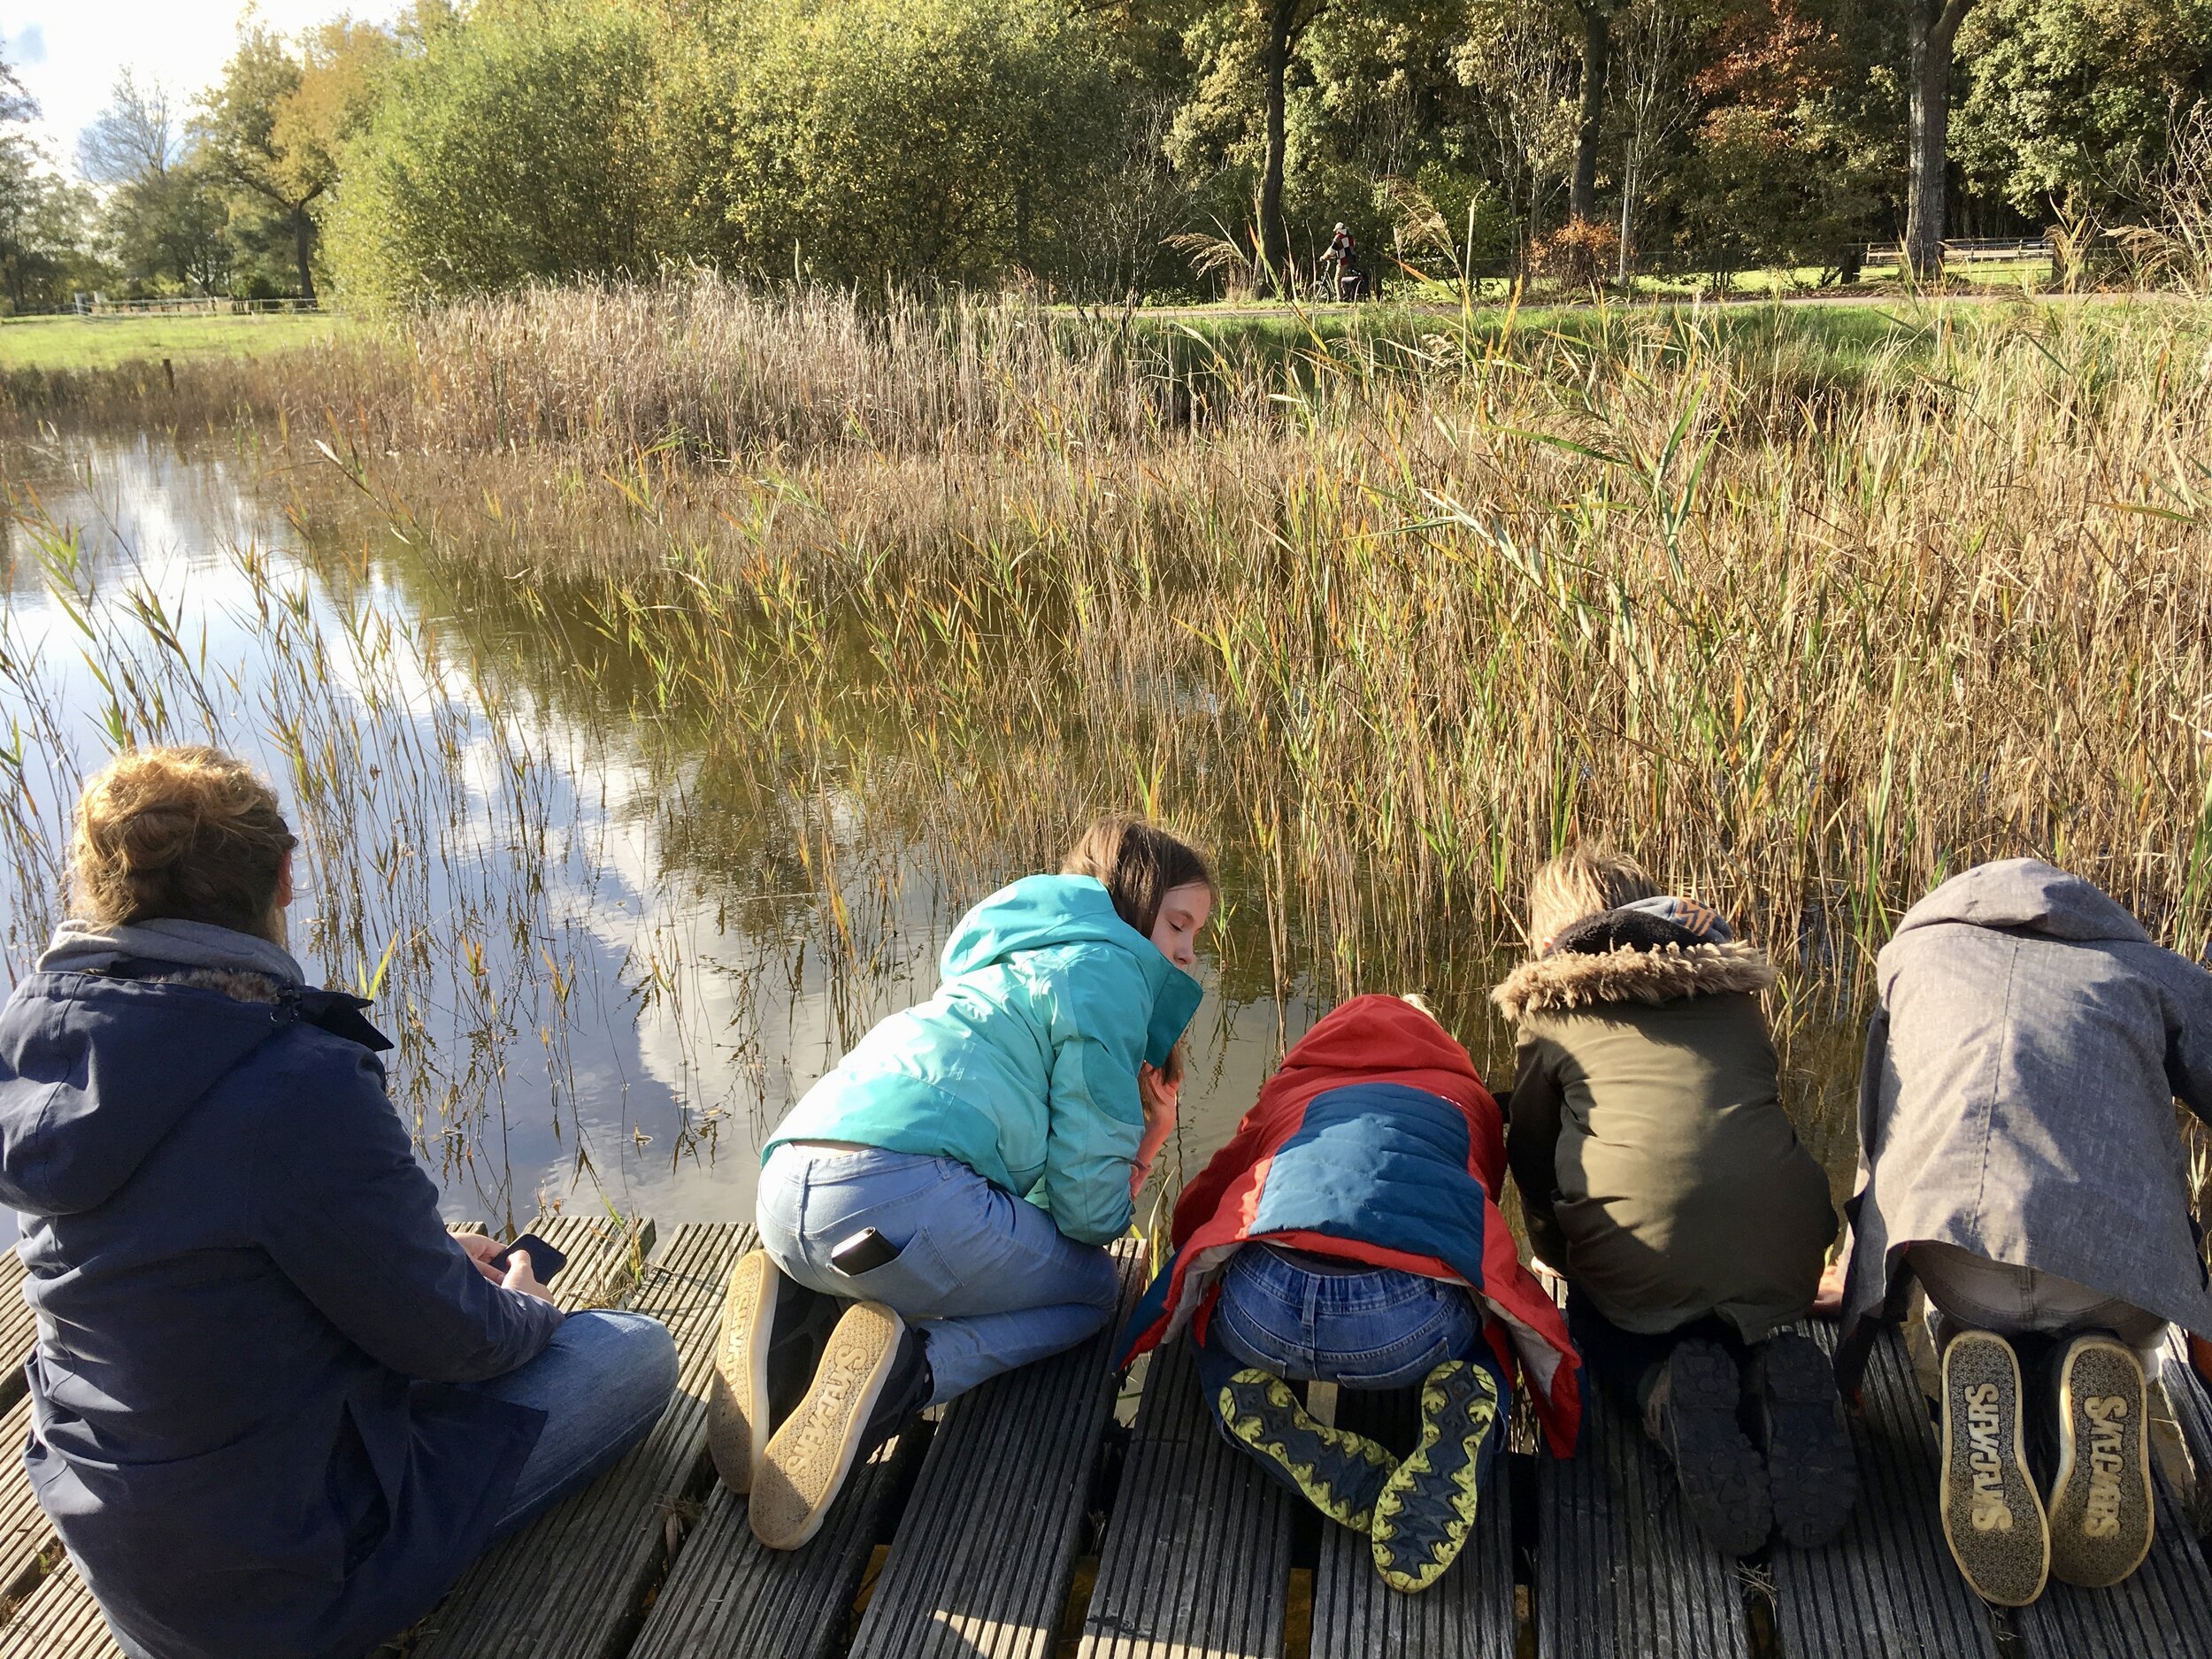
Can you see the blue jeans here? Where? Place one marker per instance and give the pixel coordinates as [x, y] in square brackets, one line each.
[1368, 1328]
[991, 1281]
[603, 1382]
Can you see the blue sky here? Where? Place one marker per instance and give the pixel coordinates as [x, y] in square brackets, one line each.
[67, 53]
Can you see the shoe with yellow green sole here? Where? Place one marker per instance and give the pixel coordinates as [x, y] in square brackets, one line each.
[1426, 1509]
[1340, 1472]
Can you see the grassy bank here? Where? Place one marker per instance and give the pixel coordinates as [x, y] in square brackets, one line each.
[74, 344]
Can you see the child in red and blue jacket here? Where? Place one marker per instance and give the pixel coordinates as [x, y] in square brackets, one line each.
[1349, 1234]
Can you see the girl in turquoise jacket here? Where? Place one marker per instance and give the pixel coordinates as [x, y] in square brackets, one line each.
[961, 1169]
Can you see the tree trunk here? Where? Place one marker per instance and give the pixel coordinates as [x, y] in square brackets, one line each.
[303, 245]
[1931, 27]
[1597, 56]
[1274, 233]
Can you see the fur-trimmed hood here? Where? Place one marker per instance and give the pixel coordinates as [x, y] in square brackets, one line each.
[1630, 956]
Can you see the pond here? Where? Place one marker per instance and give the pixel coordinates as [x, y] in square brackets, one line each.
[611, 950]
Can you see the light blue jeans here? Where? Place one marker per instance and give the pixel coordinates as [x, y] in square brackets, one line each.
[602, 1383]
[991, 1283]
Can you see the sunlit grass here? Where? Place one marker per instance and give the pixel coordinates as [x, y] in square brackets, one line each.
[107, 342]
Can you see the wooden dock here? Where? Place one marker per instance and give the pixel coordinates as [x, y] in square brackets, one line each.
[1027, 1522]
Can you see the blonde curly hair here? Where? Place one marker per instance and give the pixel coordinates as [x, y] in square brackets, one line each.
[189, 834]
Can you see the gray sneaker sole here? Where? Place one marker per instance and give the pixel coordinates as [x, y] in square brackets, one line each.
[2102, 1517]
[1992, 1518]
[737, 1394]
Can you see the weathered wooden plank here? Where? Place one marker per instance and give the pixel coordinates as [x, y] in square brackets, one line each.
[2192, 1406]
[1619, 1569]
[19, 1329]
[730, 1597]
[572, 1584]
[27, 1545]
[2165, 1608]
[1467, 1614]
[1887, 1585]
[59, 1621]
[1197, 1559]
[985, 1549]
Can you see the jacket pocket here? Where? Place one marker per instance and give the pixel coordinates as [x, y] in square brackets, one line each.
[360, 1499]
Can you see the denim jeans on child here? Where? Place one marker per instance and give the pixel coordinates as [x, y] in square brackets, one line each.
[991, 1282]
[1311, 1320]
[1307, 1319]
[603, 1382]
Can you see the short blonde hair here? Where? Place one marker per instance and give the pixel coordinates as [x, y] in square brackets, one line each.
[1583, 881]
[187, 834]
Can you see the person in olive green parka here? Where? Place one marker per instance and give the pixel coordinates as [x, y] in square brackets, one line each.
[1660, 1176]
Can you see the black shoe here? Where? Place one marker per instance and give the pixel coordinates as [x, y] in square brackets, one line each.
[1692, 1414]
[774, 1329]
[905, 1392]
[2102, 1517]
[1340, 1472]
[873, 1376]
[1797, 1417]
[1427, 1506]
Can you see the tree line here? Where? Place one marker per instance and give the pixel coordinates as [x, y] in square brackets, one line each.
[1103, 149]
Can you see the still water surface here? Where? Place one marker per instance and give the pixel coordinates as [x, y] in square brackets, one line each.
[610, 958]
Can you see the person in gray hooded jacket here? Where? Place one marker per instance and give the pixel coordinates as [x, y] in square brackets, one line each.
[2021, 1158]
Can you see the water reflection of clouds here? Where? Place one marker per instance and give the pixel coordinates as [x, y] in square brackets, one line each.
[684, 1038]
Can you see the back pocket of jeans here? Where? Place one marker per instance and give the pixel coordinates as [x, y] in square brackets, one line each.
[916, 1282]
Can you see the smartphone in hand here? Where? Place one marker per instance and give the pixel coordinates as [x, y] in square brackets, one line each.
[545, 1260]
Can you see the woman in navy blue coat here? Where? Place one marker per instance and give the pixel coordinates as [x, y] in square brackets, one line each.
[276, 1407]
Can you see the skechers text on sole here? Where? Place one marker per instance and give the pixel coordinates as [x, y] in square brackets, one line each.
[1992, 1518]
[805, 1463]
[2102, 1517]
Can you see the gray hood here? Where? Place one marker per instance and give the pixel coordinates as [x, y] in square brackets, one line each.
[2028, 893]
[82, 947]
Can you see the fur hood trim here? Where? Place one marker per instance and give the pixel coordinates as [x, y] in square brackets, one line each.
[238, 984]
[1569, 980]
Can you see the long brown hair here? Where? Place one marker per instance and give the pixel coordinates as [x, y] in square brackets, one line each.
[189, 835]
[1139, 864]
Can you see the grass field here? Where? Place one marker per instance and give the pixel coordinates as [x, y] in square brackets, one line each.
[107, 342]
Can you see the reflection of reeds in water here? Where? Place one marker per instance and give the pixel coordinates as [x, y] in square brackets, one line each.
[1384, 621]
[425, 823]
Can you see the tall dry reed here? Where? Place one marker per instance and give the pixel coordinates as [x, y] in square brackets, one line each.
[1388, 618]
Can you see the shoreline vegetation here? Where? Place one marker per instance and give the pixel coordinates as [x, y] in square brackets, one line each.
[1806, 608]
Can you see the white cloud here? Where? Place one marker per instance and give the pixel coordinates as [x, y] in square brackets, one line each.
[68, 52]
